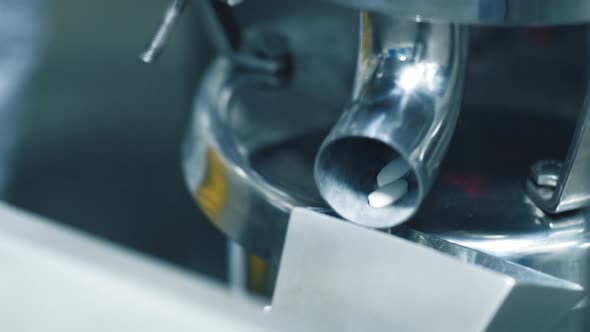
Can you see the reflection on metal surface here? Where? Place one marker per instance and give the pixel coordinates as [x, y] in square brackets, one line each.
[258, 275]
[572, 190]
[212, 194]
[21, 39]
[488, 12]
[385, 283]
[407, 96]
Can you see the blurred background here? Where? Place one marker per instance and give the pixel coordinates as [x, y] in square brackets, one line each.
[101, 131]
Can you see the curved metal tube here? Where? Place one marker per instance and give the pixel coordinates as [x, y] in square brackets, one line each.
[405, 105]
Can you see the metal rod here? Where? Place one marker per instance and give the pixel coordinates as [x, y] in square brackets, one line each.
[164, 31]
[236, 268]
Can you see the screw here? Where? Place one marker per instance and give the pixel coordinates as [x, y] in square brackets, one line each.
[545, 173]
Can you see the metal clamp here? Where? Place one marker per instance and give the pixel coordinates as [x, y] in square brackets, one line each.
[570, 190]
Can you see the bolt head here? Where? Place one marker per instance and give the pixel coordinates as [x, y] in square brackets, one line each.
[545, 173]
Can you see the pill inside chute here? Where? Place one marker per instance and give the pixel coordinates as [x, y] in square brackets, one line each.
[393, 171]
[388, 194]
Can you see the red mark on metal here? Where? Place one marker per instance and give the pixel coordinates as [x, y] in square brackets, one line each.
[472, 185]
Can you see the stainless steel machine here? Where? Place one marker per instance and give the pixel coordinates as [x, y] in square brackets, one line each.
[389, 115]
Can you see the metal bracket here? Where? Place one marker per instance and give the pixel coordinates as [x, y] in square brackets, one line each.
[572, 189]
[336, 276]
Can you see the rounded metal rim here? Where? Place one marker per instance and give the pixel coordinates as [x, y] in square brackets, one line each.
[367, 220]
[246, 190]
